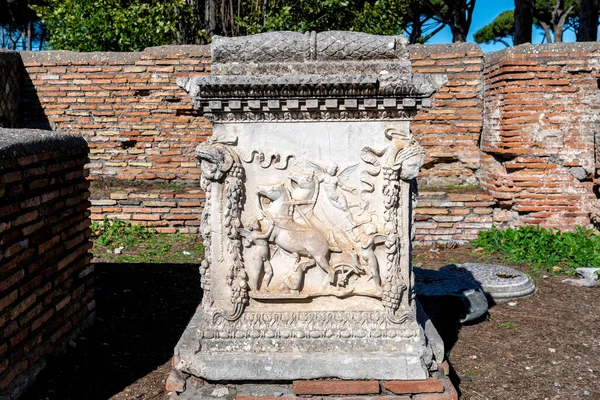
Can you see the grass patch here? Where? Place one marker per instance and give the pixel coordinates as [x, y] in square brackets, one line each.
[545, 249]
[119, 241]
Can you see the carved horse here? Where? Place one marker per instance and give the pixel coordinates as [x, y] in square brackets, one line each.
[288, 235]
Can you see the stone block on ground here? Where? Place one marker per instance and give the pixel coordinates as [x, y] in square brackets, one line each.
[586, 277]
[445, 292]
[499, 283]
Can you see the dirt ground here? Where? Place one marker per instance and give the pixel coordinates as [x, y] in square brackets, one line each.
[544, 347]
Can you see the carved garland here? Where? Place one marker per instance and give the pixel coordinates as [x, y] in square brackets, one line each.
[237, 278]
[222, 165]
[394, 286]
[402, 160]
[205, 184]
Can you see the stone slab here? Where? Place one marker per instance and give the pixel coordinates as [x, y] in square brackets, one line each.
[499, 283]
[441, 289]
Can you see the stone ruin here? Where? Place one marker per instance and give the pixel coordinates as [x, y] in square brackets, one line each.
[310, 182]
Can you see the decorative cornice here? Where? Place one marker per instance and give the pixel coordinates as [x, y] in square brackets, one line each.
[311, 109]
[309, 97]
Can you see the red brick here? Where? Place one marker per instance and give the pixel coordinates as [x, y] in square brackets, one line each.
[413, 387]
[175, 382]
[335, 387]
[247, 397]
[449, 393]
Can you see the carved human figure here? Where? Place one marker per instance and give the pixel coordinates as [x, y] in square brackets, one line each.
[332, 213]
[366, 241]
[332, 182]
[261, 262]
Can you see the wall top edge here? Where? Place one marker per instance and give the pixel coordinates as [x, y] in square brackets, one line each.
[543, 50]
[23, 142]
[459, 47]
[66, 56]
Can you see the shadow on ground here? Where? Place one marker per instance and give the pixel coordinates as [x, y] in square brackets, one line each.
[142, 310]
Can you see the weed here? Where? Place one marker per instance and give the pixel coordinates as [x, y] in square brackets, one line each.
[509, 325]
[453, 260]
[546, 249]
[463, 187]
[174, 187]
[470, 373]
[119, 233]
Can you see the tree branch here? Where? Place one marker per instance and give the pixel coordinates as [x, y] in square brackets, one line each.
[504, 42]
[546, 29]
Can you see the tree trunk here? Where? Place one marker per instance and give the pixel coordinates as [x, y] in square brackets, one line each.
[547, 34]
[558, 32]
[29, 35]
[42, 38]
[458, 35]
[210, 17]
[458, 17]
[560, 19]
[462, 14]
[414, 13]
[588, 21]
[458, 24]
[523, 21]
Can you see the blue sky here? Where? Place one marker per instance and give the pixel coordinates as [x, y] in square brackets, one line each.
[484, 13]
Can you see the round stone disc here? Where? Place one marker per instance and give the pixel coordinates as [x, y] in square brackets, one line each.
[497, 281]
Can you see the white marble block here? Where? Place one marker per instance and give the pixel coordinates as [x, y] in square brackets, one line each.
[310, 182]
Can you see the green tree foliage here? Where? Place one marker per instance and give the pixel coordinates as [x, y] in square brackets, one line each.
[112, 25]
[456, 14]
[378, 17]
[501, 28]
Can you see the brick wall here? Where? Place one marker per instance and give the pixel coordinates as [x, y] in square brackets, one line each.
[509, 120]
[46, 285]
[11, 72]
[138, 123]
[450, 129]
[541, 114]
[141, 126]
[165, 210]
[444, 216]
